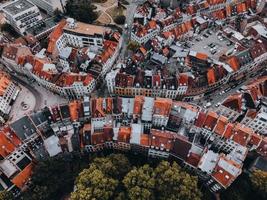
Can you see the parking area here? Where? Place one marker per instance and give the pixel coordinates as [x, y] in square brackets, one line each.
[211, 43]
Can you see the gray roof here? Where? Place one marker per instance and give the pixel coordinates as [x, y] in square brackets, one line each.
[18, 7]
[136, 133]
[23, 127]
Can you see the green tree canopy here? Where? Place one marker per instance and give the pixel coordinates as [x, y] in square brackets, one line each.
[140, 183]
[172, 183]
[259, 182]
[93, 184]
[81, 10]
[55, 177]
[114, 165]
[5, 195]
[133, 46]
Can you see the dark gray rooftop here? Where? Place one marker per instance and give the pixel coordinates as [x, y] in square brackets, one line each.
[23, 128]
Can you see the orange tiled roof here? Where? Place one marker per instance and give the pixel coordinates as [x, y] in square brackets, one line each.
[233, 62]
[162, 106]
[221, 125]
[241, 134]
[144, 141]
[23, 177]
[162, 139]
[200, 119]
[202, 56]
[211, 120]
[7, 146]
[255, 139]
[234, 102]
[4, 82]
[74, 108]
[211, 76]
[183, 79]
[138, 104]
[55, 35]
[124, 134]
[224, 177]
[229, 131]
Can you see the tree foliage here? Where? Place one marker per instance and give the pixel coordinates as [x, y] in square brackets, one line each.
[93, 184]
[173, 183]
[54, 177]
[259, 182]
[81, 10]
[133, 46]
[140, 183]
[5, 195]
[115, 165]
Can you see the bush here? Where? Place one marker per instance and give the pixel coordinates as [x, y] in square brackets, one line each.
[120, 19]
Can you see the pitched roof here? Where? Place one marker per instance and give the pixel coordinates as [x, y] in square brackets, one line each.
[233, 62]
[23, 177]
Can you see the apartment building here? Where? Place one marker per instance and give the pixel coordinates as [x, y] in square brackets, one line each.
[22, 15]
[50, 5]
[9, 91]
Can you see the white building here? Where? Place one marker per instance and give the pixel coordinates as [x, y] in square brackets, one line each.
[259, 123]
[80, 34]
[50, 5]
[22, 15]
[8, 94]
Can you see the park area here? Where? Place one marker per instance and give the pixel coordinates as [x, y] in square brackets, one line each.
[110, 11]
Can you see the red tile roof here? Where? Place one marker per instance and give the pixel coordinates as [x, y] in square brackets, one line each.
[162, 106]
[233, 62]
[162, 139]
[200, 119]
[255, 139]
[241, 134]
[221, 125]
[211, 76]
[226, 171]
[55, 35]
[234, 102]
[124, 134]
[138, 104]
[211, 120]
[23, 177]
[229, 131]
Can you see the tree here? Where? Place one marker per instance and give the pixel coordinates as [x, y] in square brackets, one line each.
[140, 183]
[259, 182]
[82, 10]
[173, 183]
[114, 165]
[55, 176]
[120, 19]
[133, 46]
[93, 184]
[6, 195]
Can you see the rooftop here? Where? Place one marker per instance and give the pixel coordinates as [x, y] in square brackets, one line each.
[18, 6]
[86, 29]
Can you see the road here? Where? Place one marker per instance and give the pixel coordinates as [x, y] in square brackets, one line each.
[217, 97]
[131, 8]
[35, 92]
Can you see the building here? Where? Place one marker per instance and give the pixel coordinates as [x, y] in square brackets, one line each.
[50, 5]
[22, 15]
[9, 91]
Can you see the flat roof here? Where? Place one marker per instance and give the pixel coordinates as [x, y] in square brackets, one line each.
[83, 28]
[18, 6]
